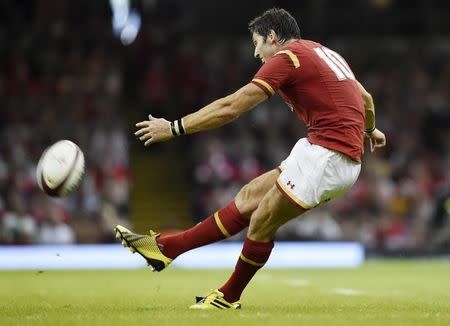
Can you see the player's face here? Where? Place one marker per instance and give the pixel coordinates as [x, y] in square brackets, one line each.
[264, 49]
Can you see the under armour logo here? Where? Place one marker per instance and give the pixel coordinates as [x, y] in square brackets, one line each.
[290, 106]
[290, 184]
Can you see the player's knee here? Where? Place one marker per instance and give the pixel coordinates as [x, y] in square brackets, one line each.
[245, 201]
[263, 224]
[262, 229]
[268, 217]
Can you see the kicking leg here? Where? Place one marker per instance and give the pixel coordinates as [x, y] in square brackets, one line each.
[226, 222]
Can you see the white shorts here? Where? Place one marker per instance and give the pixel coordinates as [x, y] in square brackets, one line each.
[313, 174]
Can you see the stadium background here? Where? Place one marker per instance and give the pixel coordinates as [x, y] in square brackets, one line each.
[78, 70]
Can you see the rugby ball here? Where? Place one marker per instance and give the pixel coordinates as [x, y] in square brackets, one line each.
[60, 168]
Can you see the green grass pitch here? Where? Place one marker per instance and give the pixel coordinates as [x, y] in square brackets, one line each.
[378, 293]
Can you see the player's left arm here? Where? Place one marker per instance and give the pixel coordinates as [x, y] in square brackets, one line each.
[376, 137]
[214, 115]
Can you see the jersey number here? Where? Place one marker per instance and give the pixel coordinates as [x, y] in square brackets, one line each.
[336, 63]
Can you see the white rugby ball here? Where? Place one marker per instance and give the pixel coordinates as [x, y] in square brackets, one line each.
[60, 168]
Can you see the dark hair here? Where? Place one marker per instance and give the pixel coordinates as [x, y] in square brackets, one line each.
[280, 20]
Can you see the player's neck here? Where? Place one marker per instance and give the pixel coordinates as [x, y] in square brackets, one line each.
[288, 42]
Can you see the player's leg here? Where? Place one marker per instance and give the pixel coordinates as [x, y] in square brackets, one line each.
[226, 222]
[159, 251]
[310, 175]
[273, 211]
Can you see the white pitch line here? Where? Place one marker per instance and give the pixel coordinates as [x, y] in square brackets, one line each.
[297, 282]
[258, 314]
[349, 292]
[263, 277]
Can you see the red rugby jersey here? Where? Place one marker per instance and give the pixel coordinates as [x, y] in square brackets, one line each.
[320, 88]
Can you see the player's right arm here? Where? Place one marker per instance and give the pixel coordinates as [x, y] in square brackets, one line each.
[376, 137]
[266, 82]
[214, 115]
[224, 110]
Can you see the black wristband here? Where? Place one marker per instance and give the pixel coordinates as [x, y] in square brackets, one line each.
[370, 130]
[179, 122]
[172, 128]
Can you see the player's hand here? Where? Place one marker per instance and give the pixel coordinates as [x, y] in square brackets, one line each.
[376, 139]
[153, 130]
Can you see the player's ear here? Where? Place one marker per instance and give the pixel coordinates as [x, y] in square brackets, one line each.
[272, 37]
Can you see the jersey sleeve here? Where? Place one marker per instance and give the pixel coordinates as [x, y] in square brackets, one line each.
[275, 73]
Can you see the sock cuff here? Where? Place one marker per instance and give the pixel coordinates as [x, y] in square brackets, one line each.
[256, 253]
[231, 210]
[229, 220]
[260, 245]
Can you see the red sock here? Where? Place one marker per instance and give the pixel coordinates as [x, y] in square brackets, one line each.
[253, 256]
[224, 223]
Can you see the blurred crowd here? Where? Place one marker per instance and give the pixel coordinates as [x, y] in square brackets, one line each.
[60, 80]
[66, 79]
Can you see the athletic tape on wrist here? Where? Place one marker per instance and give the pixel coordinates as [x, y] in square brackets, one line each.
[177, 127]
[172, 128]
[181, 126]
